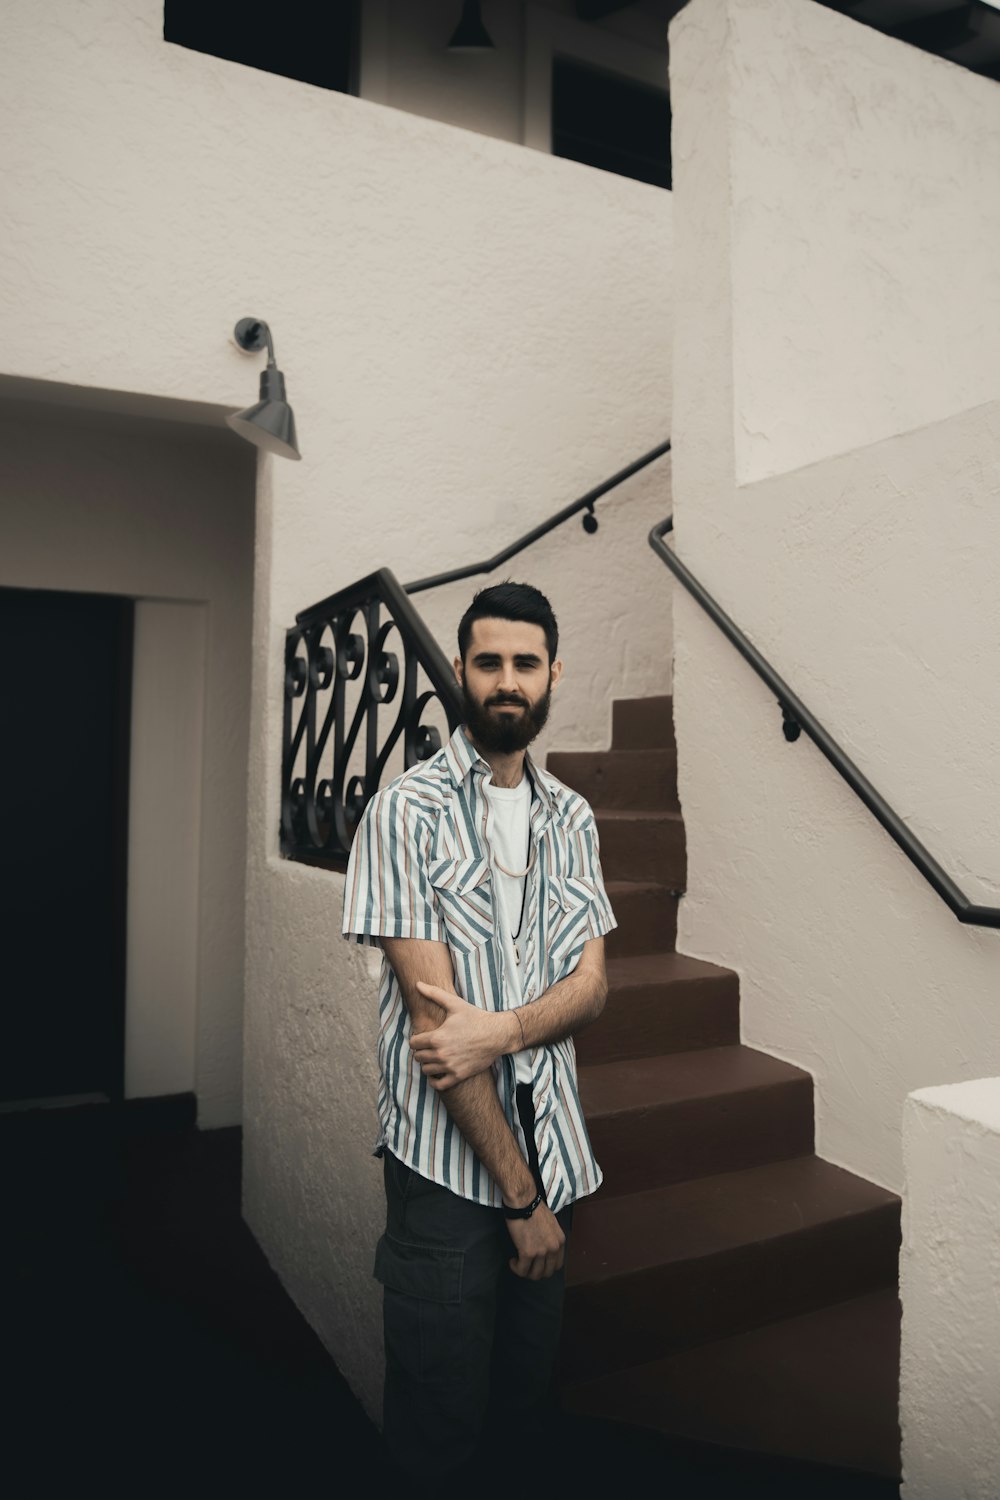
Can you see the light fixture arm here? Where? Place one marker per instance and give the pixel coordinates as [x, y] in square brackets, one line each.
[252, 334]
[270, 423]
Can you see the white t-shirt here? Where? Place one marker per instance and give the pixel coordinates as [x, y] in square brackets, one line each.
[508, 836]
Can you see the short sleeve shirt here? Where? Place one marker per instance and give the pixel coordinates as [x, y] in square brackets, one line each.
[420, 867]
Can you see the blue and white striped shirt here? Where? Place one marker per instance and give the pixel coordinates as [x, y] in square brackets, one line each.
[420, 868]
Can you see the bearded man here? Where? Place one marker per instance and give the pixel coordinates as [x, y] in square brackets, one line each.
[479, 876]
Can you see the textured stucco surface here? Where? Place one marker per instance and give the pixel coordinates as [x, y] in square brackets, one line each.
[472, 334]
[866, 214]
[949, 1276]
[868, 580]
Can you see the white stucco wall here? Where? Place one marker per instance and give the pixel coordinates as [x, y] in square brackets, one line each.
[471, 334]
[949, 1275]
[866, 212]
[162, 511]
[849, 523]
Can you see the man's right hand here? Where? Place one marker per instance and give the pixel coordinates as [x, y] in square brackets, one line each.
[539, 1243]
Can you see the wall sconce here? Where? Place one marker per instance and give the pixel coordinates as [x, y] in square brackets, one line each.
[470, 35]
[270, 424]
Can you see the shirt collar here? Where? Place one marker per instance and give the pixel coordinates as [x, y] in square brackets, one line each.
[463, 759]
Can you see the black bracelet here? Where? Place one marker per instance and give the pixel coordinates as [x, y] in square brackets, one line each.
[522, 1213]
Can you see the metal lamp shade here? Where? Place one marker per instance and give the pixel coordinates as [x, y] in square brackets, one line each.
[470, 35]
[271, 423]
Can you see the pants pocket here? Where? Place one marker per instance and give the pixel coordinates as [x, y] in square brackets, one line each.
[422, 1308]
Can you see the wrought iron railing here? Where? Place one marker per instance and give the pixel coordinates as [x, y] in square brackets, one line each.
[322, 799]
[325, 651]
[796, 717]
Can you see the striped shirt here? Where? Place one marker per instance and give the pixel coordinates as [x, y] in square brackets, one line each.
[420, 867]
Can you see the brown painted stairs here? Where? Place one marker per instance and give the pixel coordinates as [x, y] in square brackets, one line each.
[725, 1285]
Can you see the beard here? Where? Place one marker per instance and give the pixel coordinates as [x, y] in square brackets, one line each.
[502, 733]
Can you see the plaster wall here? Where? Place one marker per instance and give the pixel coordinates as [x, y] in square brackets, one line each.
[865, 211]
[859, 562]
[950, 1271]
[472, 335]
[162, 512]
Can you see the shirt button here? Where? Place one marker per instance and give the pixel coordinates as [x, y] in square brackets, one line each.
[530, 993]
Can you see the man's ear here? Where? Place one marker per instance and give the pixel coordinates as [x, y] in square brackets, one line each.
[556, 670]
[457, 664]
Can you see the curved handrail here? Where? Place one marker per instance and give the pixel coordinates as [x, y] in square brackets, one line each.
[585, 502]
[797, 716]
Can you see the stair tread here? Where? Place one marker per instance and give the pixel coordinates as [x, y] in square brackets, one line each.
[707, 1216]
[638, 815]
[672, 1077]
[615, 752]
[821, 1386]
[668, 967]
[624, 887]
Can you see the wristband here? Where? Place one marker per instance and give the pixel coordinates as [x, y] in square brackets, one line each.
[522, 1213]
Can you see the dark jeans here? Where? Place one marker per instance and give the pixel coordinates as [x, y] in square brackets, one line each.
[470, 1348]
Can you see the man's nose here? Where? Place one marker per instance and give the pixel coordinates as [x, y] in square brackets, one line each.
[508, 679]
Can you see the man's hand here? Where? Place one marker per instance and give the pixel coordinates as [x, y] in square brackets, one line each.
[468, 1041]
[539, 1242]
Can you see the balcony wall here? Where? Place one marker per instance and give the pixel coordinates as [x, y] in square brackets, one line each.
[849, 525]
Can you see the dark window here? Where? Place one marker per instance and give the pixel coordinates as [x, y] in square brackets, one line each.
[609, 121]
[298, 38]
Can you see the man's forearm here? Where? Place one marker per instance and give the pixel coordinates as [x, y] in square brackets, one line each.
[567, 1007]
[473, 1102]
[475, 1108]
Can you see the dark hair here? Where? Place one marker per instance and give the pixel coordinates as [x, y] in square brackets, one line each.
[510, 601]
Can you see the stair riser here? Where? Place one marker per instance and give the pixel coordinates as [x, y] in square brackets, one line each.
[651, 1147]
[647, 923]
[647, 1020]
[622, 779]
[614, 1324]
[642, 724]
[649, 850]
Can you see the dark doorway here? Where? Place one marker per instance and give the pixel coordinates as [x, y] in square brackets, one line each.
[611, 122]
[65, 706]
[317, 44]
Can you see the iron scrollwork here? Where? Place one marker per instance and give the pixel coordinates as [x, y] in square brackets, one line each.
[369, 635]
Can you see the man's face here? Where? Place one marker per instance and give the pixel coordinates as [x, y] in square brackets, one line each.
[506, 683]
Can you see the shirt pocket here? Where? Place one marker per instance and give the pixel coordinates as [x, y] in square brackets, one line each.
[465, 901]
[569, 901]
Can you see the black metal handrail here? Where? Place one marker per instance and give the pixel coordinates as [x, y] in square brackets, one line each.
[319, 813]
[796, 716]
[585, 502]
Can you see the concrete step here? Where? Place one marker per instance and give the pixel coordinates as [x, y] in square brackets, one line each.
[642, 846]
[642, 724]
[662, 1002]
[646, 914]
[638, 779]
[672, 1267]
[657, 1120]
[821, 1387]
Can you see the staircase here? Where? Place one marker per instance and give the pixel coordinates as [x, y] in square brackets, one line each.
[725, 1285]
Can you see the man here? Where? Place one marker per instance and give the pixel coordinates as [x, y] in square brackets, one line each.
[479, 875]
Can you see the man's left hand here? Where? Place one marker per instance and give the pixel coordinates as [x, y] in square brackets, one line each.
[467, 1042]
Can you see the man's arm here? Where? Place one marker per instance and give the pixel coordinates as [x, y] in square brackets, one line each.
[464, 1041]
[474, 1106]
